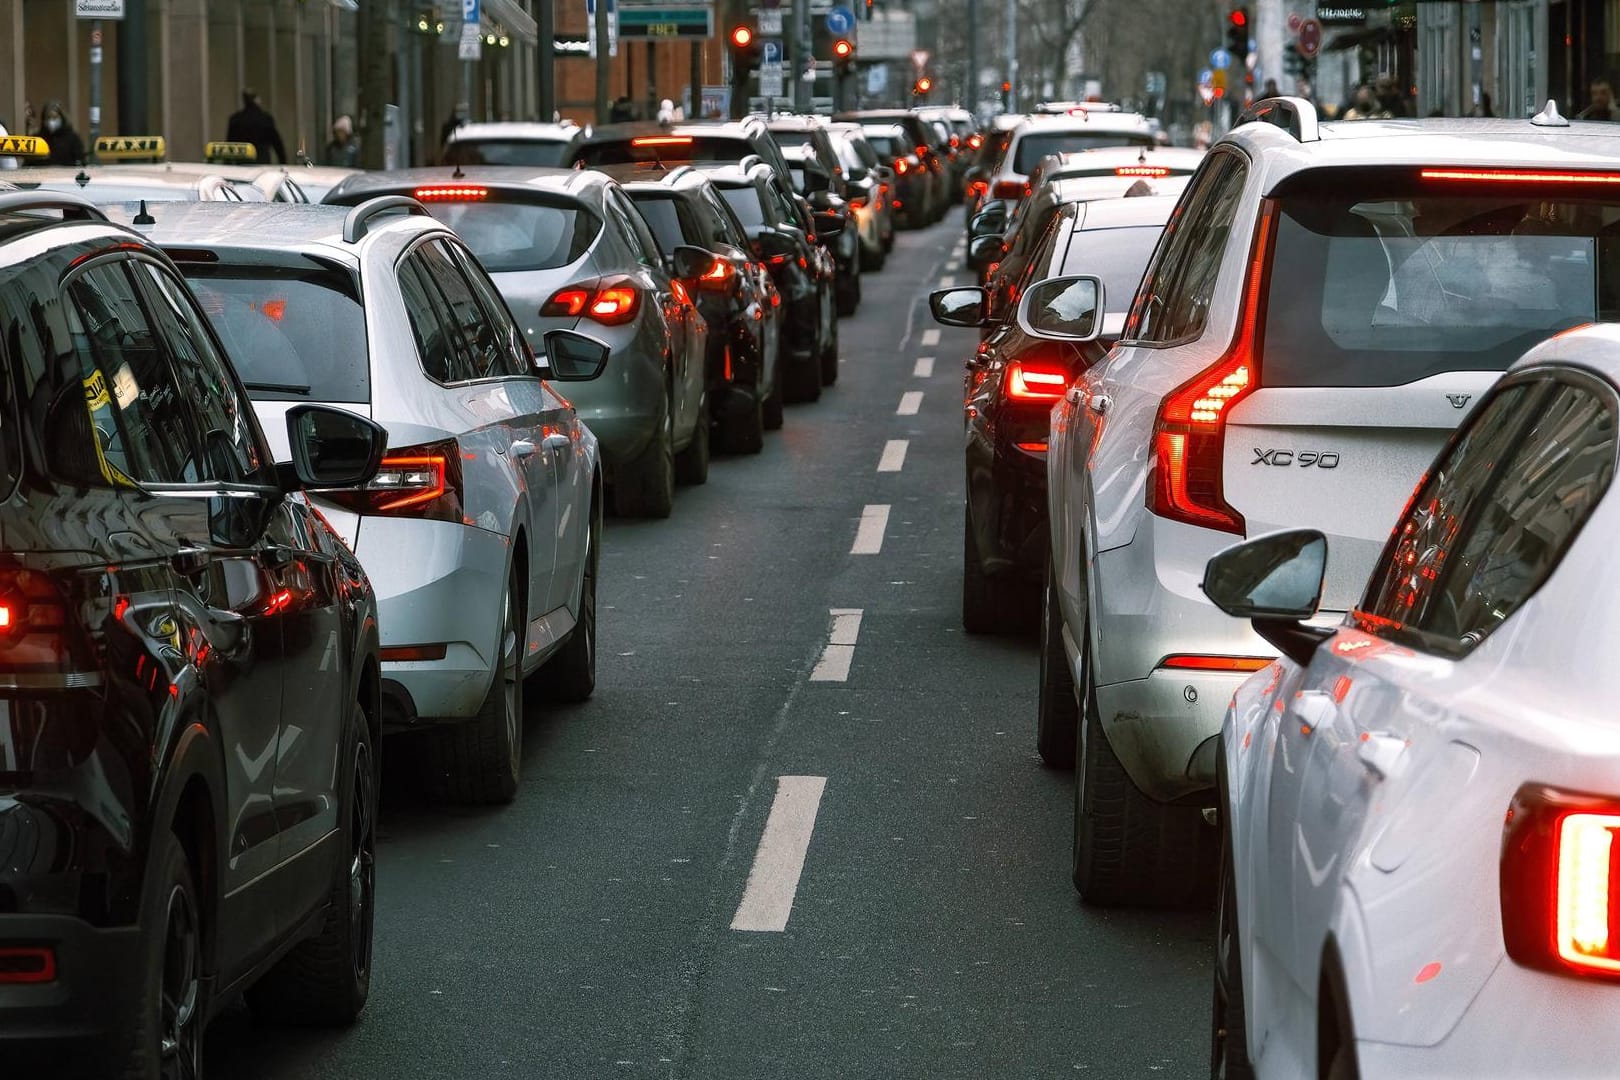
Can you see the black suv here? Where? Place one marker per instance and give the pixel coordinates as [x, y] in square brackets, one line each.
[695, 142]
[188, 666]
[818, 175]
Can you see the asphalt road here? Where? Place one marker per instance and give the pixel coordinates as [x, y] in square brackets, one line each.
[587, 930]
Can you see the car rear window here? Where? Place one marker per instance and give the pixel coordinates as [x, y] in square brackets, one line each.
[535, 153]
[527, 234]
[888, 146]
[1036, 145]
[663, 218]
[1381, 282]
[294, 333]
[744, 202]
[1118, 256]
[665, 148]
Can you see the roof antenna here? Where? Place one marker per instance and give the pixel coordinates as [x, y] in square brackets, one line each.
[82, 179]
[1550, 116]
[458, 174]
[143, 218]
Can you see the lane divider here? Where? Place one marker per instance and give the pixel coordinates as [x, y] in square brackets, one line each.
[910, 402]
[869, 533]
[840, 651]
[773, 880]
[894, 455]
[924, 368]
[930, 337]
[947, 282]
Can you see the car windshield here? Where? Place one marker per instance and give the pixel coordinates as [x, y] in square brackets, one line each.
[294, 333]
[514, 235]
[744, 202]
[662, 217]
[537, 153]
[1404, 280]
[1118, 256]
[1036, 145]
[669, 149]
[887, 145]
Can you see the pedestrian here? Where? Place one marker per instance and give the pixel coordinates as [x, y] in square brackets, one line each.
[1390, 98]
[1602, 106]
[1366, 106]
[252, 124]
[1271, 89]
[623, 111]
[66, 146]
[458, 116]
[344, 149]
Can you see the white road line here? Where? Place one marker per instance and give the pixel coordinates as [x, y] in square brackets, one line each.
[894, 455]
[840, 651]
[930, 337]
[924, 368]
[947, 282]
[910, 402]
[869, 533]
[954, 264]
[773, 881]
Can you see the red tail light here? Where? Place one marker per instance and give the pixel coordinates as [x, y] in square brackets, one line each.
[568, 302]
[718, 277]
[33, 623]
[413, 482]
[614, 305]
[1560, 882]
[27, 964]
[975, 141]
[1189, 434]
[977, 189]
[451, 193]
[1033, 381]
[1010, 189]
[922, 150]
[902, 166]
[1191, 662]
[857, 203]
[611, 303]
[955, 141]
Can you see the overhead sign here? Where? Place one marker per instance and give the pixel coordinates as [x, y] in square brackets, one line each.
[666, 22]
[99, 9]
[840, 20]
[1310, 38]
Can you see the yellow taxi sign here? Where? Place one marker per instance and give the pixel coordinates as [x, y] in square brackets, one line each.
[230, 153]
[24, 146]
[131, 148]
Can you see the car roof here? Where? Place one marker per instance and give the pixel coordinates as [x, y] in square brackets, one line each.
[892, 131]
[280, 227]
[1123, 213]
[795, 122]
[641, 175]
[729, 174]
[1090, 188]
[517, 131]
[26, 236]
[162, 174]
[1112, 156]
[575, 182]
[1595, 346]
[745, 128]
[1086, 121]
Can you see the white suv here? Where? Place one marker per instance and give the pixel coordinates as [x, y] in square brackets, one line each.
[1081, 128]
[1322, 309]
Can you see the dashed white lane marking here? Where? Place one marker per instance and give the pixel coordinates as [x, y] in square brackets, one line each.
[840, 651]
[954, 264]
[773, 881]
[924, 368]
[869, 533]
[910, 402]
[947, 282]
[930, 337]
[894, 455]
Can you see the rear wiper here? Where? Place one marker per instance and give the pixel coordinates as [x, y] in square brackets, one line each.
[301, 389]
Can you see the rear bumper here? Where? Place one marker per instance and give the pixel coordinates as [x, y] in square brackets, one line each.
[81, 1014]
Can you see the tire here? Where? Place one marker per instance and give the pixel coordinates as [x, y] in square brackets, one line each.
[1228, 1036]
[1057, 710]
[173, 992]
[771, 409]
[645, 487]
[692, 464]
[991, 605]
[742, 430]
[570, 675]
[801, 382]
[849, 295]
[829, 361]
[1128, 849]
[478, 760]
[874, 260]
[326, 979]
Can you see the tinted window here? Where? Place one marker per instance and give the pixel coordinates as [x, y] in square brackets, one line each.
[431, 325]
[1401, 281]
[295, 334]
[1174, 300]
[888, 145]
[1118, 256]
[479, 339]
[545, 155]
[527, 235]
[666, 148]
[745, 203]
[1034, 146]
[514, 356]
[718, 220]
[661, 216]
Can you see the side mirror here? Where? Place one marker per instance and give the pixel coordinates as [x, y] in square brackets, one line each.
[992, 219]
[1275, 580]
[958, 307]
[984, 250]
[1062, 309]
[772, 243]
[689, 261]
[574, 357]
[829, 225]
[816, 181]
[333, 448]
[821, 200]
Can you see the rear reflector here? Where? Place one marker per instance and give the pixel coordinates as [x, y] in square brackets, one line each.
[414, 652]
[1032, 447]
[451, 193]
[1154, 171]
[1560, 882]
[1193, 662]
[1519, 176]
[27, 964]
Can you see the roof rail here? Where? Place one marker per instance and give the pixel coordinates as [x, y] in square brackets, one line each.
[358, 221]
[1294, 115]
[749, 161]
[677, 172]
[73, 207]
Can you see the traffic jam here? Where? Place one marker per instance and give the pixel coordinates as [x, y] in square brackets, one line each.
[333, 495]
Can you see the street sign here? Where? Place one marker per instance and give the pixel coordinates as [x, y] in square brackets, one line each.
[1220, 58]
[470, 12]
[919, 58]
[1218, 78]
[471, 46]
[99, 9]
[770, 52]
[840, 20]
[770, 22]
[1206, 94]
[666, 22]
[1206, 77]
[770, 69]
[877, 79]
[590, 26]
[1310, 38]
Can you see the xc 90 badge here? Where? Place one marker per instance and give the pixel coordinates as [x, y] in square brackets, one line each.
[1305, 459]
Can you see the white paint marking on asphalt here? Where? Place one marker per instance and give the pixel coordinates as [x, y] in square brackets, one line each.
[910, 402]
[840, 651]
[924, 368]
[954, 265]
[947, 282]
[869, 533]
[930, 337]
[773, 881]
[894, 455]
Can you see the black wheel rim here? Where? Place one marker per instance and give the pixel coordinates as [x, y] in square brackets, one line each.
[362, 862]
[179, 1025]
[511, 674]
[1224, 956]
[587, 604]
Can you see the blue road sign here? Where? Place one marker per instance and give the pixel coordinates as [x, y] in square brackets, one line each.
[1206, 77]
[1220, 58]
[771, 51]
[840, 20]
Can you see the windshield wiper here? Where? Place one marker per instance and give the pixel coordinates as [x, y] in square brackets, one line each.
[301, 389]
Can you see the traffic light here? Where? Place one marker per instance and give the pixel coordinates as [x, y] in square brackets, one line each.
[1237, 33]
[843, 54]
[745, 54]
[922, 86]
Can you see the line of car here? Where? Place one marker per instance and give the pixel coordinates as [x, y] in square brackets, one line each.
[1397, 781]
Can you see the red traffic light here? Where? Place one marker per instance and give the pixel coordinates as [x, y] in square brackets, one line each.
[924, 85]
[1006, 87]
[843, 49]
[741, 37]
[1238, 18]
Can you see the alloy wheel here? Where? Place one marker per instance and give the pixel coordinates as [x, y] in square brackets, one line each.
[511, 674]
[362, 862]
[180, 1032]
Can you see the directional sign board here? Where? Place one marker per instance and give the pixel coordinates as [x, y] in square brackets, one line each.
[98, 9]
[470, 11]
[840, 20]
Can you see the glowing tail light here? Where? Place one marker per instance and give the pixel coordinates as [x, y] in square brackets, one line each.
[902, 166]
[1154, 171]
[718, 277]
[975, 141]
[451, 193]
[1193, 662]
[978, 188]
[1028, 381]
[1560, 882]
[1010, 189]
[413, 482]
[611, 303]
[33, 623]
[1520, 176]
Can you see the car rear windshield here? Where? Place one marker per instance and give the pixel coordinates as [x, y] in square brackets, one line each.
[744, 202]
[1380, 282]
[663, 217]
[531, 234]
[536, 153]
[888, 146]
[1118, 256]
[669, 149]
[294, 333]
[1032, 147]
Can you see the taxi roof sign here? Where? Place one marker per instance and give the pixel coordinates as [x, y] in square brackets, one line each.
[230, 153]
[24, 146]
[131, 148]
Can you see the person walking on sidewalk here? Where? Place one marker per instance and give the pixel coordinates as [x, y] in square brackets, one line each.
[252, 124]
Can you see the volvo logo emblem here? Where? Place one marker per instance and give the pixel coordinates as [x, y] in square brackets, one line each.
[1459, 400]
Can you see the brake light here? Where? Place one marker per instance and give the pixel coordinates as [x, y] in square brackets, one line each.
[1519, 176]
[1191, 662]
[1189, 433]
[1010, 189]
[614, 305]
[902, 166]
[922, 150]
[975, 141]
[1032, 447]
[609, 304]
[955, 141]
[451, 193]
[27, 964]
[1154, 171]
[1027, 381]
[662, 140]
[977, 189]
[857, 203]
[568, 302]
[413, 482]
[718, 277]
[33, 623]
[1560, 882]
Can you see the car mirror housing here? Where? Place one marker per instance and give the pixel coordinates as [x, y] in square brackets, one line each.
[334, 448]
[1062, 309]
[984, 250]
[574, 357]
[773, 243]
[958, 307]
[989, 221]
[690, 261]
[829, 225]
[1275, 576]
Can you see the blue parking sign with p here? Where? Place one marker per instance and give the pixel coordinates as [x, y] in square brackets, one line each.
[469, 11]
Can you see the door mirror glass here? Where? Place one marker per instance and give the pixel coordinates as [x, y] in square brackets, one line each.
[1062, 308]
[829, 225]
[688, 261]
[984, 250]
[991, 220]
[772, 244]
[574, 357]
[1277, 576]
[958, 307]
[334, 447]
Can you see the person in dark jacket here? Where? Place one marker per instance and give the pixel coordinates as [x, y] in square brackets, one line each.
[66, 146]
[251, 124]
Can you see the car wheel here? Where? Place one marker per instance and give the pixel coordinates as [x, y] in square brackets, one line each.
[849, 294]
[692, 464]
[743, 429]
[479, 758]
[1057, 711]
[802, 379]
[829, 358]
[1228, 1037]
[1128, 849]
[771, 410]
[991, 605]
[168, 1025]
[326, 979]
[645, 487]
[570, 675]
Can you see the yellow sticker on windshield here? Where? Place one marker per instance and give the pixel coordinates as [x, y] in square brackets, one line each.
[95, 392]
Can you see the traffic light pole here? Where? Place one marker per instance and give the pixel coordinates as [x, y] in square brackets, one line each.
[971, 97]
[802, 56]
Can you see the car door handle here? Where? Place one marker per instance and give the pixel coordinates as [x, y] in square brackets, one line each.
[1099, 403]
[523, 448]
[1074, 395]
[557, 440]
[1380, 751]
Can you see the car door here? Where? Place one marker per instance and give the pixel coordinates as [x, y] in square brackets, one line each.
[686, 339]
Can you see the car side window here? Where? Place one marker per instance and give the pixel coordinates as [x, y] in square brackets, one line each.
[480, 343]
[1173, 303]
[515, 356]
[1495, 516]
[442, 358]
[642, 243]
[126, 421]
